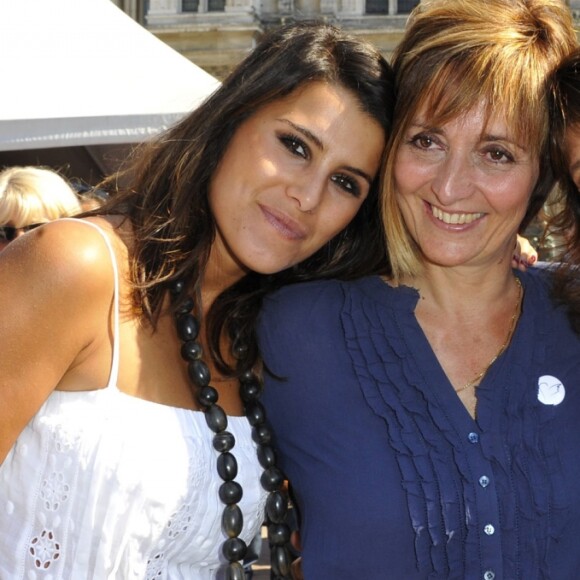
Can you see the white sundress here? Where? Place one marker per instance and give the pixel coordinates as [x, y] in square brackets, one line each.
[103, 485]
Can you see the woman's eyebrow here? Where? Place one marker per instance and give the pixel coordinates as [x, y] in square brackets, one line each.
[306, 132]
[312, 137]
[503, 138]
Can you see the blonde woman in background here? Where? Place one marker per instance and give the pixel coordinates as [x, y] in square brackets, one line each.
[30, 197]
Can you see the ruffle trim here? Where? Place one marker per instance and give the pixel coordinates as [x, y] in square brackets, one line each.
[527, 464]
[383, 339]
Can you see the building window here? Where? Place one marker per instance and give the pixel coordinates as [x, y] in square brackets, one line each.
[382, 6]
[216, 5]
[377, 7]
[405, 6]
[206, 5]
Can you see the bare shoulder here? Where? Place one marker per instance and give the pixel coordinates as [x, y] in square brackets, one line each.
[56, 288]
[61, 274]
[65, 257]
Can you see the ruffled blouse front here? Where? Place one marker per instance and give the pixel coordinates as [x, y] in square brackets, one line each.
[493, 498]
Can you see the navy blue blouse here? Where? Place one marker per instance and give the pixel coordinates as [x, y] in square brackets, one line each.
[393, 478]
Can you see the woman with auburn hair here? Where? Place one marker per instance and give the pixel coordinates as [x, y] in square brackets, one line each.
[428, 420]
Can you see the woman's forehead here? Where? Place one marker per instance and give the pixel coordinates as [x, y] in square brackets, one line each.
[435, 111]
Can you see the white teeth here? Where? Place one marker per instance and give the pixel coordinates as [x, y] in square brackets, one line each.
[455, 218]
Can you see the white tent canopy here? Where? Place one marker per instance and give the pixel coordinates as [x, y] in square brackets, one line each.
[82, 72]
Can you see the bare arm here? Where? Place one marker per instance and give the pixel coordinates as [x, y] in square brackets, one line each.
[55, 287]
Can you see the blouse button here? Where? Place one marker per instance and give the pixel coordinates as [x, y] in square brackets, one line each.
[484, 481]
[489, 529]
[473, 437]
[488, 575]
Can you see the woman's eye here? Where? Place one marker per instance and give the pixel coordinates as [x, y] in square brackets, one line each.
[422, 141]
[295, 145]
[347, 184]
[499, 155]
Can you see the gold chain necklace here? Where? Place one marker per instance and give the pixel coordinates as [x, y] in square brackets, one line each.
[515, 316]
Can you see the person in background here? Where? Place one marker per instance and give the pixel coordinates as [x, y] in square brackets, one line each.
[90, 197]
[565, 134]
[31, 196]
[124, 446]
[428, 420]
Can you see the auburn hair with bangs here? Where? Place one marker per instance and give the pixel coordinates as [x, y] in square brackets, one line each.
[459, 54]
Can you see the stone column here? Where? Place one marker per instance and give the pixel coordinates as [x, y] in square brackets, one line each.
[130, 7]
[158, 7]
[267, 7]
[307, 7]
[352, 7]
[238, 5]
[286, 7]
[328, 6]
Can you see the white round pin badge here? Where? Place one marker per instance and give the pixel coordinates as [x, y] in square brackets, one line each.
[551, 391]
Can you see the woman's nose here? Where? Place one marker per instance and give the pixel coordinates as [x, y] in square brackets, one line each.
[453, 179]
[308, 192]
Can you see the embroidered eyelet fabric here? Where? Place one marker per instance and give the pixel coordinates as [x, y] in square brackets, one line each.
[102, 485]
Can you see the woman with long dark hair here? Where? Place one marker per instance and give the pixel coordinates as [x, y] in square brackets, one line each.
[118, 329]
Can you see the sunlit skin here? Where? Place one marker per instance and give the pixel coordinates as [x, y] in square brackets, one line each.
[572, 146]
[463, 189]
[293, 176]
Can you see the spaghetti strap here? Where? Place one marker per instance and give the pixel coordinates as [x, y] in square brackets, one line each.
[114, 373]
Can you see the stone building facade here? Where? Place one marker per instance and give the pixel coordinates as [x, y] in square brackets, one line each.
[216, 34]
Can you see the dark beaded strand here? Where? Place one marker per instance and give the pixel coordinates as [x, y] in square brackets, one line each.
[230, 491]
[272, 479]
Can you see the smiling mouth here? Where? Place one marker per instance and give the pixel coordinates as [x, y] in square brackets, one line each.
[454, 218]
[289, 228]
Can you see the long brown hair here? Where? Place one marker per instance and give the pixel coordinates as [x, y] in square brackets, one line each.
[166, 200]
[565, 224]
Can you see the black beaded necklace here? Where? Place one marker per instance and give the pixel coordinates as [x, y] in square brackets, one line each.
[230, 492]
